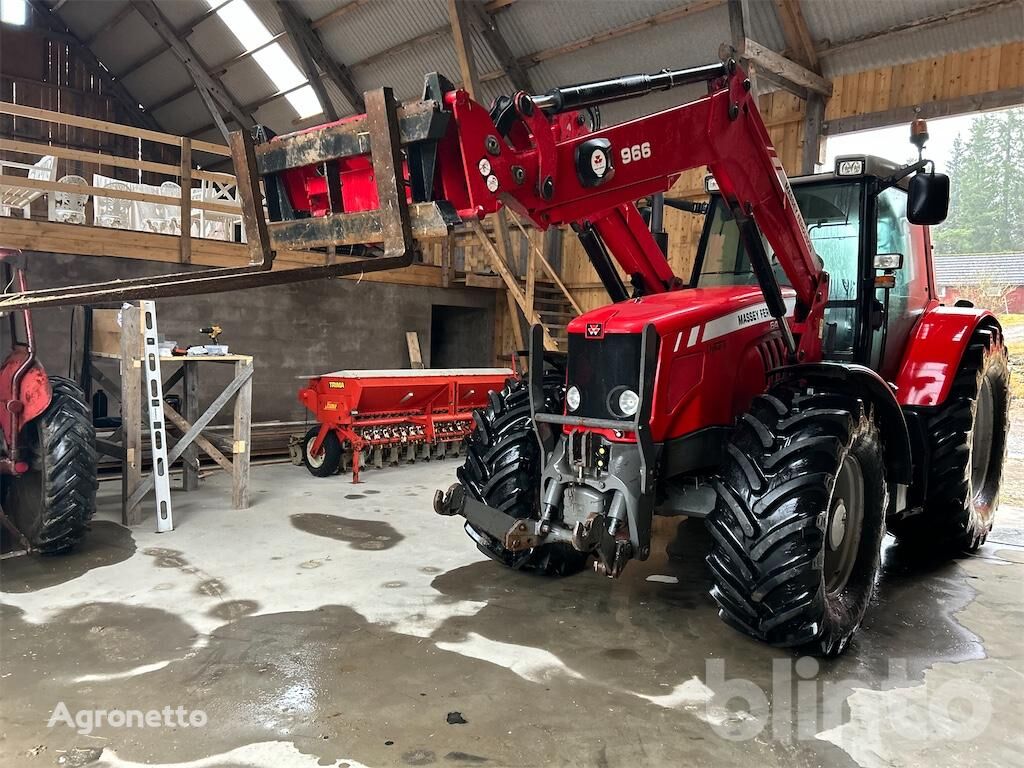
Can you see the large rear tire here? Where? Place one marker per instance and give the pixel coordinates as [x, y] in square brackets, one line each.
[798, 524]
[503, 470]
[52, 503]
[967, 436]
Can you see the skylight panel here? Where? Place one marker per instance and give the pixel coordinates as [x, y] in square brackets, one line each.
[13, 12]
[244, 23]
[305, 102]
[279, 67]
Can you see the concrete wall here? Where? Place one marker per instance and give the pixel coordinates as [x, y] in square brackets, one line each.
[291, 330]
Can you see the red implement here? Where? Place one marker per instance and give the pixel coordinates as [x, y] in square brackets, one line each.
[396, 409]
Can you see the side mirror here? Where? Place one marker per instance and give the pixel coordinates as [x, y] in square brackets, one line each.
[928, 198]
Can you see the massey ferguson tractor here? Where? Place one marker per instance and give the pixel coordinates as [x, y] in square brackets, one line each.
[48, 457]
[803, 391]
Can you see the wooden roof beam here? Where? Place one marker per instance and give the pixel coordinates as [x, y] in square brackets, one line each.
[313, 54]
[796, 33]
[211, 89]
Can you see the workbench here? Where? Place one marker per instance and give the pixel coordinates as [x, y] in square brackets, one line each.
[185, 371]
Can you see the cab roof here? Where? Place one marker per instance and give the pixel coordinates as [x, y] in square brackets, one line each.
[878, 167]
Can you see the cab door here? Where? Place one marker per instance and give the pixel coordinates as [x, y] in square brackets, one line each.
[902, 305]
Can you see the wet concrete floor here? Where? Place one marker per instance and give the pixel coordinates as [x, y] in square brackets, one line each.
[334, 625]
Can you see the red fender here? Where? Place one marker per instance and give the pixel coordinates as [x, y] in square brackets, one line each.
[33, 397]
[934, 351]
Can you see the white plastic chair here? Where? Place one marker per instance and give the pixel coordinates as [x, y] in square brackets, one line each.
[113, 212]
[13, 198]
[69, 206]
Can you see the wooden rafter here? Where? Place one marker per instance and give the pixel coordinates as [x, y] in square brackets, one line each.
[459, 12]
[210, 87]
[788, 70]
[797, 35]
[486, 24]
[58, 29]
[313, 54]
[182, 32]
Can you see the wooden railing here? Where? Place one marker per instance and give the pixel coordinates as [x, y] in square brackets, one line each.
[182, 172]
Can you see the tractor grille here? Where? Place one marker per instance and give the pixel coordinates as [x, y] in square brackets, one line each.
[600, 368]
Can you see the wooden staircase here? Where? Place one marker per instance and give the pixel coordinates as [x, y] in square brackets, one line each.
[554, 311]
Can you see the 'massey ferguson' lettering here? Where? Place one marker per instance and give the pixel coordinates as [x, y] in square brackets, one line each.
[755, 315]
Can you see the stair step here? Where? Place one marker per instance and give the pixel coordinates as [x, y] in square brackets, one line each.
[547, 315]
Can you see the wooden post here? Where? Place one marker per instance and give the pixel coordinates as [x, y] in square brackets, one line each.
[412, 340]
[242, 443]
[131, 413]
[531, 275]
[813, 118]
[186, 201]
[447, 261]
[190, 406]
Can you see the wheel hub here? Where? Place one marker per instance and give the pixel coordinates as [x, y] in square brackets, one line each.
[981, 437]
[845, 520]
[316, 461]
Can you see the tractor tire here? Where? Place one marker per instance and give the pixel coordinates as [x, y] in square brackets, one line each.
[327, 463]
[967, 435]
[54, 501]
[798, 523]
[503, 470]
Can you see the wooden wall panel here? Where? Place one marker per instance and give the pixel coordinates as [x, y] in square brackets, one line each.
[956, 75]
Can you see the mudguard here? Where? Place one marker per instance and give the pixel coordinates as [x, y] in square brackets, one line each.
[863, 382]
[934, 352]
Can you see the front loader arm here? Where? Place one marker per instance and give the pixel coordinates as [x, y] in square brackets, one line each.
[541, 172]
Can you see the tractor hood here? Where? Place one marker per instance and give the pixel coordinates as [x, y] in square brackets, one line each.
[673, 310]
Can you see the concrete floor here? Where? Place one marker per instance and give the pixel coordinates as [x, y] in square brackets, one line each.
[340, 625]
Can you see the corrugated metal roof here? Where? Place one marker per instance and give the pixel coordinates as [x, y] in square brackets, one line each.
[371, 29]
[979, 268]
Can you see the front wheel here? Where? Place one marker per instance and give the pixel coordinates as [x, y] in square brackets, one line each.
[503, 470]
[52, 503]
[799, 519]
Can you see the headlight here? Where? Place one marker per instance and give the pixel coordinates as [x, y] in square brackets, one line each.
[572, 398]
[629, 401]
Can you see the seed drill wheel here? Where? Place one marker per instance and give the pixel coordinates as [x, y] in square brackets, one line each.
[327, 461]
[967, 435]
[52, 503]
[798, 525]
[503, 469]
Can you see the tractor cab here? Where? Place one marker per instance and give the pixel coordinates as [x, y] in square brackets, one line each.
[881, 280]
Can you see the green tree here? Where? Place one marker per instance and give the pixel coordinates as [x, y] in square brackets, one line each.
[986, 212]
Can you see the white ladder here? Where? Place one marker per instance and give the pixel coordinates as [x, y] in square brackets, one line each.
[155, 408]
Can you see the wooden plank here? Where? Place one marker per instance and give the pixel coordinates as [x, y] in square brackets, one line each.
[412, 341]
[95, 158]
[131, 414]
[185, 239]
[458, 17]
[10, 180]
[1011, 65]
[778, 64]
[190, 405]
[547, 266]
[961, 105]
[242, 446]
[510, 282]
[884, 89]
[202, 441]
[20, 110]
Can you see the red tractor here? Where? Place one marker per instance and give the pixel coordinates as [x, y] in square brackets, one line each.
[48, 459]
[803, 391]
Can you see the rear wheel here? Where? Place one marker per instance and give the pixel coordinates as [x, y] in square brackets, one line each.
[503, 470]
[967, 436]
[52, 503]
[326, 462]
[798, 524]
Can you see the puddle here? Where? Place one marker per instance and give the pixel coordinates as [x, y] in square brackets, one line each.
[106, 543]
[358, 534]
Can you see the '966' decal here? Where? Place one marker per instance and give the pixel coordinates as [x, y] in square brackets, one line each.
[635, 152]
